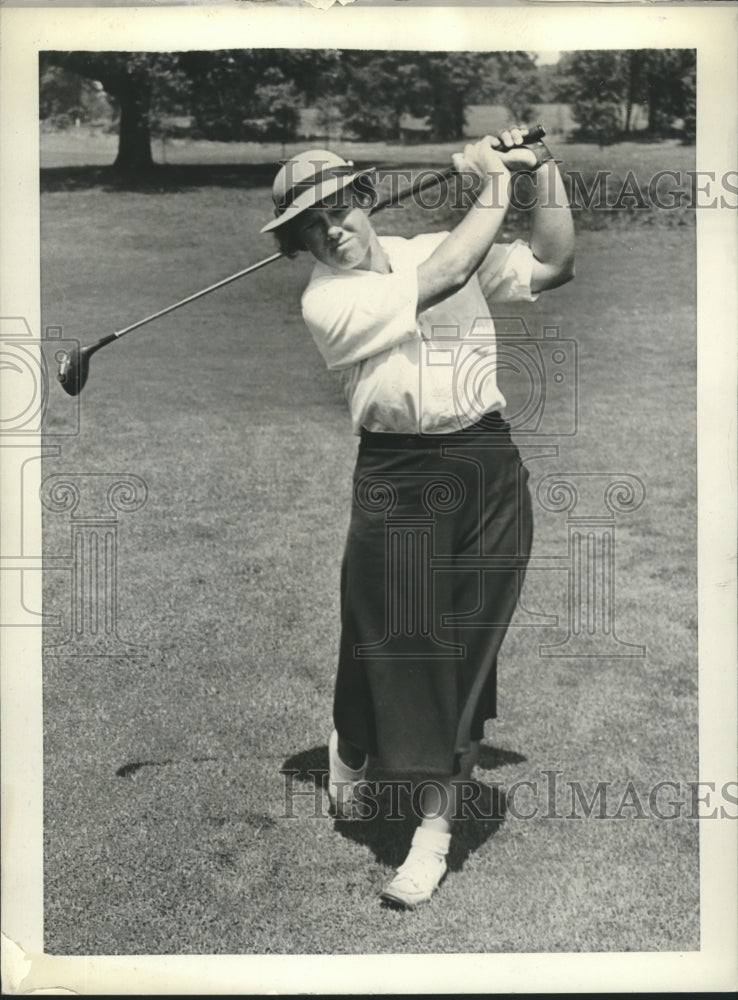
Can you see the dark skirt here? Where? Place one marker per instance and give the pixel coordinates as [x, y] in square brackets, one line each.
[438, 543]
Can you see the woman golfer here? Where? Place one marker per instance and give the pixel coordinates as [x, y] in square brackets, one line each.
[405, 322]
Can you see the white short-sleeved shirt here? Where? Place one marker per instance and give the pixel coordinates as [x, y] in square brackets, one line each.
[432, 373]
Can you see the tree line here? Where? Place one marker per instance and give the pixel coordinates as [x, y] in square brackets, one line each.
[604, 88]
[258, 94]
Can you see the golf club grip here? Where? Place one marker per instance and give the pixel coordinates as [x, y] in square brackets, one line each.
[533, 135]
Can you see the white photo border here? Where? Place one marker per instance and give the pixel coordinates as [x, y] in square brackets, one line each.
[712, 31]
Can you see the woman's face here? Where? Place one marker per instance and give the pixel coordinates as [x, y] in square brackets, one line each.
[339, 236]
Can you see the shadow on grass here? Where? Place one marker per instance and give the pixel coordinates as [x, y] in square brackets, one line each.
[159, 179]
[388, 830]
[127, 770]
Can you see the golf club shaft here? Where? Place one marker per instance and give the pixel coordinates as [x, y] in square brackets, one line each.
[74, 367]
[533, 135]
[196, 295]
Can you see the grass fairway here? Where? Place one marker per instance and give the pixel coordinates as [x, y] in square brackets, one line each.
[228, 576]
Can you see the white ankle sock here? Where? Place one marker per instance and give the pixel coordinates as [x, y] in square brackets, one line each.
[428, 839]
[341, 771]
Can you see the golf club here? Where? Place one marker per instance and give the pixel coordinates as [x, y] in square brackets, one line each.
[74, 368]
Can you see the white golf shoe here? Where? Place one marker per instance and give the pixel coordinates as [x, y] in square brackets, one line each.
[416, 880]
[342, 781]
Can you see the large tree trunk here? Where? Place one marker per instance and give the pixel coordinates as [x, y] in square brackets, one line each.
[661, 87]
[127, 79]
[657, 117]
[459, 109]
[447, 119]
[634, 63]
[134, 138]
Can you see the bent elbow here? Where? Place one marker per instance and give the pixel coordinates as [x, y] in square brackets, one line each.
[456, 281]
[452, 278]
[565, 271]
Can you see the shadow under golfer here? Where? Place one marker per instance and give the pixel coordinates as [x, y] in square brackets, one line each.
[389, 806]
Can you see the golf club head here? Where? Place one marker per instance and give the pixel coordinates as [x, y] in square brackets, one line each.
[74, 369]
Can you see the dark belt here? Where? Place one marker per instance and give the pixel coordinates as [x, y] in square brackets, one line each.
[491, 423]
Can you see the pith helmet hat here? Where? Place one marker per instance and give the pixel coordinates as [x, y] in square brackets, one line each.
[307, 179]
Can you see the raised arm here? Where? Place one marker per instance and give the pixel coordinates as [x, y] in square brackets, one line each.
[455, 260]
[552, 231]
[552, 236]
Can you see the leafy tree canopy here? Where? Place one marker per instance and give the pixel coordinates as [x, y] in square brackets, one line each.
[604, 87]
[258, 93]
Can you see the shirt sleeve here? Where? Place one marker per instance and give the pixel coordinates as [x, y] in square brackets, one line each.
[356, 315]
[505, 273]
